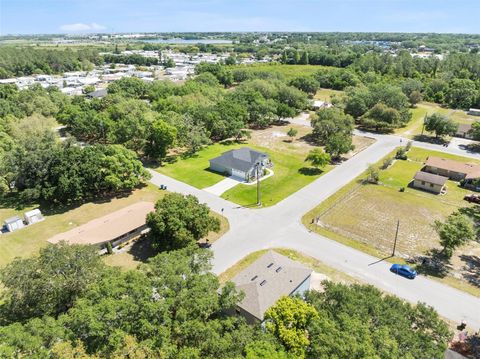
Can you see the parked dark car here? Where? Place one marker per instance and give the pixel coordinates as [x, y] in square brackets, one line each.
[204, 245]
[472, 198]
[403, 270]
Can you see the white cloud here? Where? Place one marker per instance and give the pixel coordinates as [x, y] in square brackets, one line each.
[81, 27]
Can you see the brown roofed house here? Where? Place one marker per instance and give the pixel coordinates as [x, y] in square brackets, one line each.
[454, 170]
[116, 227]
[429, 182]
[266, 280]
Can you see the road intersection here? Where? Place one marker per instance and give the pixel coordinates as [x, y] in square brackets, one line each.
[253, 229]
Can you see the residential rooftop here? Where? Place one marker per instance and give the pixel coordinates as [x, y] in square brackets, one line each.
[430, 178]
[109, 227]
[267, 279]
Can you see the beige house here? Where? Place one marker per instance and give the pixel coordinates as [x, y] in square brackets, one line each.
[429, 182]
[117, 227]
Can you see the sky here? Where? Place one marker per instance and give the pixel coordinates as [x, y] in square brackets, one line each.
[94, 16]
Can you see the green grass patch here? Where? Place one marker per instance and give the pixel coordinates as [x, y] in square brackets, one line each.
[327, 94]
[291, 173]
[193, 170]
[287, 71]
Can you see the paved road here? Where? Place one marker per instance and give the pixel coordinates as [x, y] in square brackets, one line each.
[280, 226]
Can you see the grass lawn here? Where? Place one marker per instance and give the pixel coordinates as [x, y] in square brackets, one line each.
[314, 264]
[326, 94]
[194, 169]
[291, 174]
[29, 240]
[364, 216]
[139, 252]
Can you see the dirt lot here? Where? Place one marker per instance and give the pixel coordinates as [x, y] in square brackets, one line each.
[367, 215]
[276, 138]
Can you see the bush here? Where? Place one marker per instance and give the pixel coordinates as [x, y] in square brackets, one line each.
[401, 154]
[387, 162]
[109, 248]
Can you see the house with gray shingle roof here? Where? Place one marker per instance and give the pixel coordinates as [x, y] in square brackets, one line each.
[268, 279]
[241, 163]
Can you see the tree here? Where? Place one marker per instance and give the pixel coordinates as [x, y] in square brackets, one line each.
[318, 158]
[50, 283]
[454, 232]
[461, 93]
[288, 320]
[476, 130]
[179, 221]
[328, 122]
[381, 118]
[338, 144]
[394, 329]
[161, 137]
[292, 133]
[307, 84]
[415, 97]
[441, 125]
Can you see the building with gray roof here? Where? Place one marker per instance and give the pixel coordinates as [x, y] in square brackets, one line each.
[241, 163]
[267, 280]
[429, 182]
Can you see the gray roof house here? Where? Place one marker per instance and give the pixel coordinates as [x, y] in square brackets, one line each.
[266, 280]
[240, 163]
[97, 94]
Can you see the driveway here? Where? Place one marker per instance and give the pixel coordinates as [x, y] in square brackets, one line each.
[280, 226]
[223, 186]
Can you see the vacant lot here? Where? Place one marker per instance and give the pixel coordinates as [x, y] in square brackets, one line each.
[287, 71]
[29, 240]
[414, 127]
[365, 216]
[327, 94]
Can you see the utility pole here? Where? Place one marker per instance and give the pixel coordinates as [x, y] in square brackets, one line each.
[258, 186]
[396, 236]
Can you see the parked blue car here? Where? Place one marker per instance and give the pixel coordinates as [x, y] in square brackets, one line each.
[403, 270]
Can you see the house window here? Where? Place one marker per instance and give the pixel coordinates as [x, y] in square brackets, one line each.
[423, 183]
[431, 185]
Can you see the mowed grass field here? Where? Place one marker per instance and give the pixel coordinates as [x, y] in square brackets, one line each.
[194, 169]
[365, 216]
[290, 174]
[27, 241]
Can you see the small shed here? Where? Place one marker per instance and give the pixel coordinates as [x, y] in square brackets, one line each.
[14, 223]
[33, 216]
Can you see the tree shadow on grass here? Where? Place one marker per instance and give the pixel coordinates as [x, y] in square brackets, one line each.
[142, 250]
[310, 171]
[472, 269]
[434, 264]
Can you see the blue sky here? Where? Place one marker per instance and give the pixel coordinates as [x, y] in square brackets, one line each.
[83, 16]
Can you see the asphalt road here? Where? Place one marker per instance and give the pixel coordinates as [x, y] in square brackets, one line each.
[252, 229]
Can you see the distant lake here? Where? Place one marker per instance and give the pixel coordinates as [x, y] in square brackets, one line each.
[188, 41]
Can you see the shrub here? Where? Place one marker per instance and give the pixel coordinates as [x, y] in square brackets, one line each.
[387, 162]
[401, 154]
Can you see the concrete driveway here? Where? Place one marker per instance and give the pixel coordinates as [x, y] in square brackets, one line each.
[223, 186]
